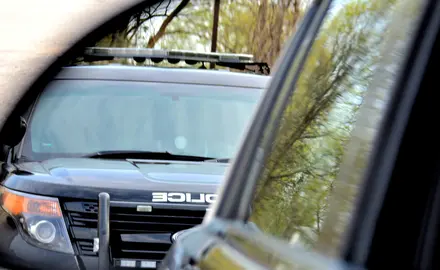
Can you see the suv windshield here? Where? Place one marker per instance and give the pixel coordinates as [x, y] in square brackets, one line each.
[73, 118]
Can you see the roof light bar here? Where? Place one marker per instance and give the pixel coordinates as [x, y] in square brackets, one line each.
[179, 55]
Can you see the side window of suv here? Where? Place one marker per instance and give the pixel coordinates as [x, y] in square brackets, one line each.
[330, 122]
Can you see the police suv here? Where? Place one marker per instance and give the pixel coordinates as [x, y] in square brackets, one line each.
[114, 162]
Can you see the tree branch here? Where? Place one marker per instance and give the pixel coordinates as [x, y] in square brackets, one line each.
[152, 41]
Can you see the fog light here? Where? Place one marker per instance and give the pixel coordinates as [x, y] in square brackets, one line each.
[44, 231]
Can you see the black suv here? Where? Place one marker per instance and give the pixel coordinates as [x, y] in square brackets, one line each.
[154, 142]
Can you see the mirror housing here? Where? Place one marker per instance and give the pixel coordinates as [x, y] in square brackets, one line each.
[13, 131]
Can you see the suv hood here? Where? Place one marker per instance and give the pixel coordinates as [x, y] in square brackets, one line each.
[129, 180]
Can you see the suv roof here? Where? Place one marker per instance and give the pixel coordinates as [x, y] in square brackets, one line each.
[164, 75]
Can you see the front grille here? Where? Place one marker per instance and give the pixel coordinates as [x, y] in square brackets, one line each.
[86, 247]
[133, 235]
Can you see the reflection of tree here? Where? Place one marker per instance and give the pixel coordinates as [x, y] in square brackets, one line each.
[307, 153]
[395, 39]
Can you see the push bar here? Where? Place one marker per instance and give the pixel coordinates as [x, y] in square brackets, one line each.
[104, 231]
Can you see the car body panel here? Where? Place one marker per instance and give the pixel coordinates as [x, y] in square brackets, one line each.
[164, 75]
[124, 180]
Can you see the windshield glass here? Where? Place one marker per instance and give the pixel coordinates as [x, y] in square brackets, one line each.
[73, 118]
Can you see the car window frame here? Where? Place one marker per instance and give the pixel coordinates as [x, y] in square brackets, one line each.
[18, 149]
[386, 146]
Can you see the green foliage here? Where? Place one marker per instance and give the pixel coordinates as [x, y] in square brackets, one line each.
[292, 195]
[253, 27]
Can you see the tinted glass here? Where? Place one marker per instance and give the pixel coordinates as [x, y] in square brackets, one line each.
[75, 117]
[326, 132]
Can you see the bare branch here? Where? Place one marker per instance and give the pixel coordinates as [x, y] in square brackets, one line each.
[152, 41]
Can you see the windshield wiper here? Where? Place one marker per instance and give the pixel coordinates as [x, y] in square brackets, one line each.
[123, 154]
[219, 160]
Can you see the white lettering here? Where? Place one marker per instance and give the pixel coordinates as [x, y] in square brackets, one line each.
[210, 198]
[183, 197]
[159, 197]
[180, 197]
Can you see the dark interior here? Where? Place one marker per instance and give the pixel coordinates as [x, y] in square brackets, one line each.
[404, 233]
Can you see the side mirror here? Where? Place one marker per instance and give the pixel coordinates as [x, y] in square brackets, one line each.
[13, 131]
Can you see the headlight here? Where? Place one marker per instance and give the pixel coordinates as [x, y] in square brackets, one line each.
[39, 218]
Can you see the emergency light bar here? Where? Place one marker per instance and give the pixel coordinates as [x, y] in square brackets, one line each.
[177, 55]
[229, 60]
